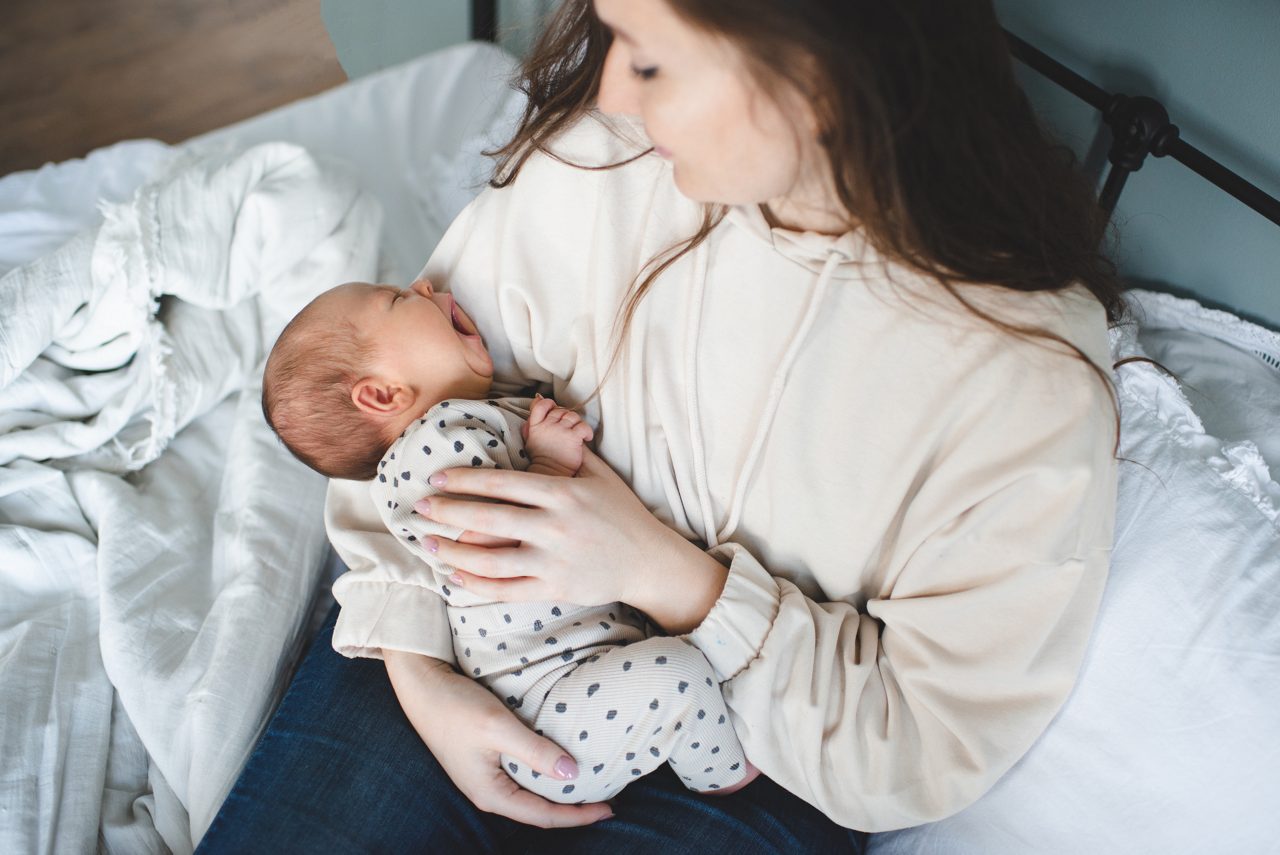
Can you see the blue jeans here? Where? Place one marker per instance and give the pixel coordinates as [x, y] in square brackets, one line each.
[340, 769]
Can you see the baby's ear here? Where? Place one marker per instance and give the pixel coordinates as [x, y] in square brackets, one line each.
[377, 397]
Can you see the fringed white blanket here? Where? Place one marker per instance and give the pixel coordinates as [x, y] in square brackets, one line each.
[150, 594]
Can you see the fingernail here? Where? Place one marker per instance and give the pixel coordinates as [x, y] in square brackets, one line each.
[437, 480]
[566, 769]
[431, 544]
[455, 578]
[423, 507]
[606, 816]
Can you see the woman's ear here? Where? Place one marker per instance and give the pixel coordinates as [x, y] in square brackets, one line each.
[378, 397]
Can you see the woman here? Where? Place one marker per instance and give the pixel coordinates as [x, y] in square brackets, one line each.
[843, 328]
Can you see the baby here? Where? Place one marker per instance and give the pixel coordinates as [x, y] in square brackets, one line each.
[391, 385]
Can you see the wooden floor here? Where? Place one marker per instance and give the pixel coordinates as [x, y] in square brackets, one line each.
[78, 74]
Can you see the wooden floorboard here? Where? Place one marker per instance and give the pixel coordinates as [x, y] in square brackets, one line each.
[78, 74]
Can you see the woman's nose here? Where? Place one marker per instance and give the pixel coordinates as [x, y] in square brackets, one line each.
[619, 89]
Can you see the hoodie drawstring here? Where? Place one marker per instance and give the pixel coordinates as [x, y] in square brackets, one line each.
[768, 413]
[692, 332]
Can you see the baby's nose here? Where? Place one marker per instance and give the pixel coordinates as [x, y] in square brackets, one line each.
[423, 287]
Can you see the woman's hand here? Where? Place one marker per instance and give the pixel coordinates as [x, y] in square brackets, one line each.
[585, 540]
[467, 729]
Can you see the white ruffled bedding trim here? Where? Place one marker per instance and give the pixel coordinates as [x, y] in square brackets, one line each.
[1141, 384]
[1156, 310]
[128, 244]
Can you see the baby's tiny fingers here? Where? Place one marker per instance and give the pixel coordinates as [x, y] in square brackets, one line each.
[541, 407]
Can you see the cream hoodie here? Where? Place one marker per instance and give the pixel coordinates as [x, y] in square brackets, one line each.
[916, 509]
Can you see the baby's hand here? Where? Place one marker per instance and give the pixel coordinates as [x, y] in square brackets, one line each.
[554, 436]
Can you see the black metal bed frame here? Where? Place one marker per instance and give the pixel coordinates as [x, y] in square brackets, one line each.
[1139, 125]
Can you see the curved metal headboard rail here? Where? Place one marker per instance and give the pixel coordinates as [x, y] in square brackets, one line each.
[1140, 127]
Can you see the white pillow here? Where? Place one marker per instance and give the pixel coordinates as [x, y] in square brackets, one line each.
[1229, 368]
[1170, 741]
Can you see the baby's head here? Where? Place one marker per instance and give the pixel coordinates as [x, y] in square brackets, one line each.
[355, 367]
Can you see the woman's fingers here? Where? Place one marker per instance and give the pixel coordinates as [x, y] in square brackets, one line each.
[488, 561]
[508, 485]
[523, 806]
[549, 759]
[537, 752]
[467, 729]
[521, 589]
[488, 518]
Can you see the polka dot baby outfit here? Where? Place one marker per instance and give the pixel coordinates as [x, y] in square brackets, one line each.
[585, 677]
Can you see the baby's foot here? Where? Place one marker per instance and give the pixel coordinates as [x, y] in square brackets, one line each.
[751, 775]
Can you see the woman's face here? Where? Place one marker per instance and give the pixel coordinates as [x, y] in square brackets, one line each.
[726, 139]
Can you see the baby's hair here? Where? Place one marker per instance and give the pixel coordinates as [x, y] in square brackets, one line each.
[306, 397]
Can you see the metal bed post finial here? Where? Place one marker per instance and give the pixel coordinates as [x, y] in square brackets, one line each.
[1139, 126]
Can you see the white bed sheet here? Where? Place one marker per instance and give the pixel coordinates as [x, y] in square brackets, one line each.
[87, 781]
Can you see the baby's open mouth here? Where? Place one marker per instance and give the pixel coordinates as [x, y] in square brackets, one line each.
[459, 318]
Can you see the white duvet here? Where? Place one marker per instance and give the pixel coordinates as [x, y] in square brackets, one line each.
[147, 612]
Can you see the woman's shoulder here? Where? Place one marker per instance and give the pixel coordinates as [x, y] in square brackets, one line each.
[1017, 356]
[593, 187]
[992, 322]
[595, 149]
[596, 139]
[1071, 314]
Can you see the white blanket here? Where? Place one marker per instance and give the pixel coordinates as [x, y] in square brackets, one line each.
[149, 596]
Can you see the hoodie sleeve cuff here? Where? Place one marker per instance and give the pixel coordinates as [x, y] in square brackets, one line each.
[391, 615]
[732, 633]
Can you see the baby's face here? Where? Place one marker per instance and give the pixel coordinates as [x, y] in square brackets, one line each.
[423, 338]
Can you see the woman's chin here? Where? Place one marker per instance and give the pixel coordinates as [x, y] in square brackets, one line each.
[708, 194]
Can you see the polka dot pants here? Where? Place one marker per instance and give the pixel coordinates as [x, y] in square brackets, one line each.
[625, 711]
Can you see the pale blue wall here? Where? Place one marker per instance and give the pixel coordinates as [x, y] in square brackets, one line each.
[370, 35]
[1215, 64]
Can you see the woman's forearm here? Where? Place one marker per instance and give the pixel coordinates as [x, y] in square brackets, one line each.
[681, 586]
[413, 669]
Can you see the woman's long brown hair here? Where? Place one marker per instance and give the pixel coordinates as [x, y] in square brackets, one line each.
[935, 150]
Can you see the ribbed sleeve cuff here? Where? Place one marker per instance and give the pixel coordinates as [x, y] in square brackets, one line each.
[392, 615]
[733, 632]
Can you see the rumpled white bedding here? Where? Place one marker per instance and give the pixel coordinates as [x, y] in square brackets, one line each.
[211, 560]
[145, 612]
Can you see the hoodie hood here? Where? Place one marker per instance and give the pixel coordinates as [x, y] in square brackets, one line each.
[810, 250]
